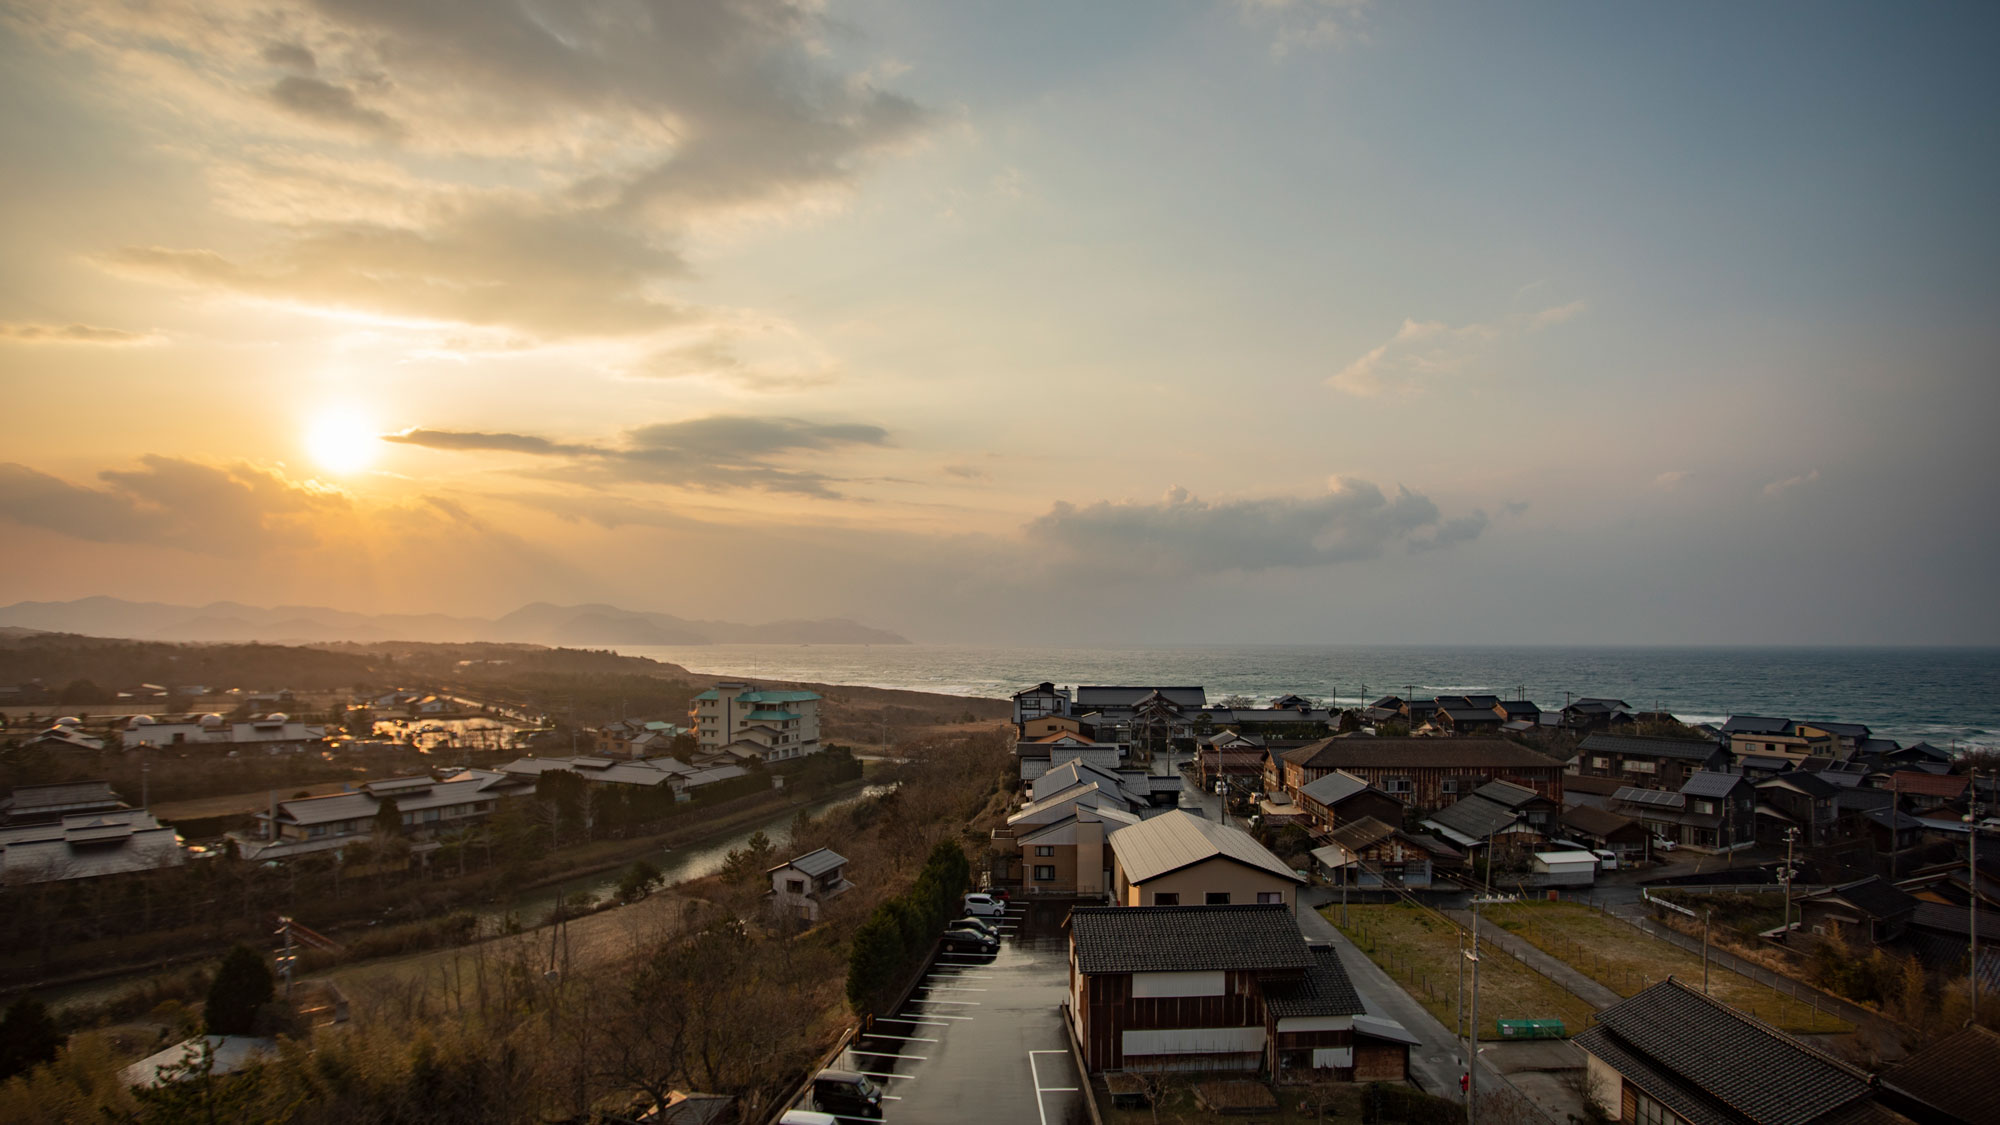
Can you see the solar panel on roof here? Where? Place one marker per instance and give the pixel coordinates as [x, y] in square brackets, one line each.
[1649, 797]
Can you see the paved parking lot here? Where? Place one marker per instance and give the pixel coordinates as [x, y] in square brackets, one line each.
[981, 1039]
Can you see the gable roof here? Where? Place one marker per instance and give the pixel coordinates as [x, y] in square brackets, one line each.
[1334, 788]
[1325, 991]
[1173, 840]
[1807, 783]
[1472, 819]
[1418, 753]
[1100, 696]
[1506, 793]
[1756, 724]
[1595, 821]
[1681, 749]
[1358, 834]
[1711, 783]
[1187, 939]
[815, 863]
[1950, 786]
[1712, 1064]
[1873, 896]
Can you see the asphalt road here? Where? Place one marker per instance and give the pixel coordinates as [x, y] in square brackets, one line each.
[982, 1039]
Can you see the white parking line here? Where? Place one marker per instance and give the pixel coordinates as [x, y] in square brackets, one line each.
[1040, 1089]
[901, 1038]
[953, 1003]
[951, 988]
[894, 1019]
[887, 1074]
[886, 1054]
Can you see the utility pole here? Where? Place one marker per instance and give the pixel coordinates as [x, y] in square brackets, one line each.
[1791, 837]
[1472, 1023]
[1972, 896]
[1707, 916]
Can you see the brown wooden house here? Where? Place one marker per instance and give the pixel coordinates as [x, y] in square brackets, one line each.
[1341, 797]
[1217, 988]
[1425, 773]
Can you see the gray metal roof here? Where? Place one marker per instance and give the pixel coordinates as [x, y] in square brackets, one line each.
[1652, 798]
[816, 863]
[1474, 817]
[1756, 724]
[1333, 788]
[1174, 840]
[1187, 939]
[1110, 696]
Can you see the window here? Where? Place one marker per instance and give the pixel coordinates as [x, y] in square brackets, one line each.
[1646, 1111]
[1600, 763]
[1218, 898]
[1045, 873]
[1640, 765]
[1270, 896]
[1396, 785]
[1450, 785]
[1166, 898]
[795, 886]
[1704, 808]
[1045, 849]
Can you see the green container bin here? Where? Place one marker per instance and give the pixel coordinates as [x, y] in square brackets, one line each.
[1532, 1029]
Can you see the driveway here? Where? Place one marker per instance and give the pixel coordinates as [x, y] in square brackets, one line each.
[982, 1039]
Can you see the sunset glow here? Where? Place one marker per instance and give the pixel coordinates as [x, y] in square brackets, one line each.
[341, 443]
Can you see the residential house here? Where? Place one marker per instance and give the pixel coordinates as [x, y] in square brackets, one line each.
[775, 725]
[1497, 816]
[1041, 700]
[1622, 836]
[1770, 737]
[48, 804]
[1176, 858]
[1424, 773]
[1369, 853]
[1864, 914]
[426, 806]
[1926, 794]
[1654, 763]
[1921, 752]
[1801, 800]
[1220, 988]
[1955, 1081]
[63, 736]
[1142, 716]
[1712, 812]
[1519, 711]
[1592, 713]
[1295, 723]
[1466, 720]
[1340, 797]
[682, 779]
[1229, 756]
[85, 845]
[801, 886]
[1044, 725]
[636, 738]
[1671, 1055]
[1036, 756]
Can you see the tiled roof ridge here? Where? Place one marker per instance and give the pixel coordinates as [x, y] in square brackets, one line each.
[1782, 1036]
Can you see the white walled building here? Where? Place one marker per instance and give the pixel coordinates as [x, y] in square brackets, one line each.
[780, 725]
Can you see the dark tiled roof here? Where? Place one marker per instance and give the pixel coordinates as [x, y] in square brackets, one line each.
[1807, 783]
[1710, 783]
[1417, 753]
[1733, 1060]
[1187, 939]
[1679, 748]
[1875, 896]
[1658, 1083]
[1506, 793]
[1845, 730]
[1475, 817]
[1596, 822]
[1756, 724]
[1959, 1075]
[1325, 991]
[1929, 784]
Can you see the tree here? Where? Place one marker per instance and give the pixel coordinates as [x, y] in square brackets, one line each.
[242, 986]
[83, 691]
[388, 818]
[28, 1037]
[639, 881]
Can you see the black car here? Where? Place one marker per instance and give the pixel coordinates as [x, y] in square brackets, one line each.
[970, 941]
[846, 1094]
[980, 924]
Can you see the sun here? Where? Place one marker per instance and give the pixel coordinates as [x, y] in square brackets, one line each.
[342, 443]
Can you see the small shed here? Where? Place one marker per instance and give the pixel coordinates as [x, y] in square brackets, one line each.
[1565, 869]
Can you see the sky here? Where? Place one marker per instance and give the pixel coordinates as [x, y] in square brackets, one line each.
[1298, 322]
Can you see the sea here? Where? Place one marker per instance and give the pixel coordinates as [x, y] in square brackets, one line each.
[1949, 697]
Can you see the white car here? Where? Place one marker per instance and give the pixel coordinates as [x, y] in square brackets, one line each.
[1662, 844]
[984, 906]
[1606, 860]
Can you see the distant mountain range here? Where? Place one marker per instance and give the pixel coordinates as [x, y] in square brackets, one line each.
[540, 623]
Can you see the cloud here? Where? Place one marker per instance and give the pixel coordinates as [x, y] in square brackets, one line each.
[965, 472]
[1779, 487]
[171, 502]
[1183, 534]
[710, 454]
[553, 158]
[1423, 349]
[1307, 25]
[1672, 478]
[329, 104]
[71, 334]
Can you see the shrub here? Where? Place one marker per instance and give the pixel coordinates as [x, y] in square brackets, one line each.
[242, 985]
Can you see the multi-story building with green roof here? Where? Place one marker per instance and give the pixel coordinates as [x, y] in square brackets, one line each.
[777, 725]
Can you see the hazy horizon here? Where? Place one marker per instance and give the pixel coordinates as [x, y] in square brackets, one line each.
[1252, 321]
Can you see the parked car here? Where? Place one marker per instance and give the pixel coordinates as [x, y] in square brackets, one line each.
[969, 923]
[984, 905]
[807, 1117]
[1606, 860]
[846, 1093]
[1662, 844]
[970, 941]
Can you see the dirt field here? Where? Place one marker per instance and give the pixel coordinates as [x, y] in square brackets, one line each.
[1421, 950]
[1625, 961]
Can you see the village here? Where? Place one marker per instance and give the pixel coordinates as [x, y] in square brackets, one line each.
[1228, 906]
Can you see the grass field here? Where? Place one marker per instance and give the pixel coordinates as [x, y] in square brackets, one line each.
[1625, 960]
[1421, 950]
